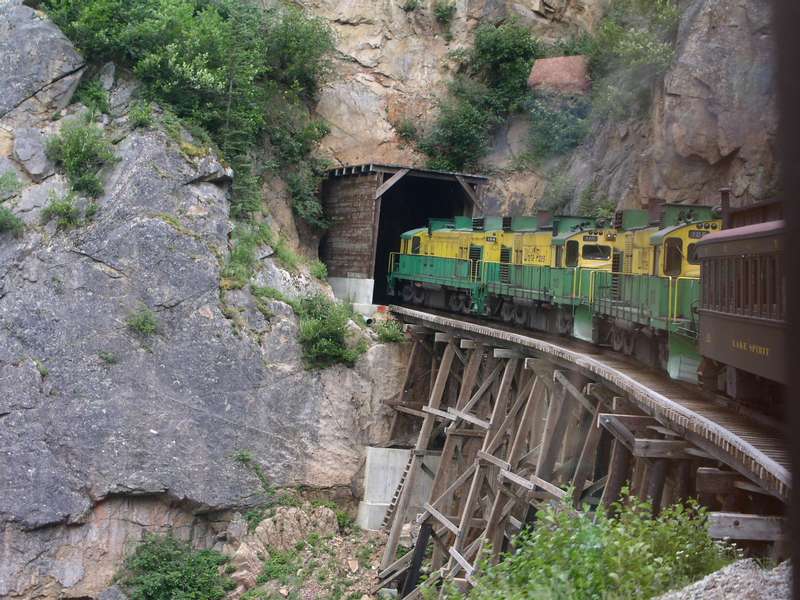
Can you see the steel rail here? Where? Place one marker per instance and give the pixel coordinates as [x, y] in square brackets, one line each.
[751, 448]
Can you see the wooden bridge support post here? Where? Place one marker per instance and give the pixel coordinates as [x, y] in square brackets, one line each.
[422, 445]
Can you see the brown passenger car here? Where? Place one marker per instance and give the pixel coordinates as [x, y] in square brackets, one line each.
[743, 305]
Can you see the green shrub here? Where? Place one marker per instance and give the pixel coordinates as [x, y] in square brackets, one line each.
[411, 5]
[64, 210]
[324, 333]
[444, 11]
[163, 568]
[390, 330]
[319, 270]
[93, 96]
[280, 566]
[81, 149]
[492, 86]
[407, 130]
[242, 259]
[345, 521]
[592, 205]
[632, 50]
[502, 58]
[143, 322]
[9, 184]
[558, 124]
[140, 114]
[9, 222]
[226, 66]
[572, 554]
[268, 293]
[108, 358]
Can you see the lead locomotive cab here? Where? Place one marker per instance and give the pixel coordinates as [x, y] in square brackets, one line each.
[742, 313]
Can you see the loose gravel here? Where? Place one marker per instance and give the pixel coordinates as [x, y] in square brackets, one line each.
[742, 580]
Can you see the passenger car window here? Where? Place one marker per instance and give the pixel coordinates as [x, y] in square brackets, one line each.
[673, 257]
[572, 253]
[596, 252]
[415, 245]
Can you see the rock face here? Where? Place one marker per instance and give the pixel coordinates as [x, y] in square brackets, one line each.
[712, 124]
[106, 434]
[393, 64]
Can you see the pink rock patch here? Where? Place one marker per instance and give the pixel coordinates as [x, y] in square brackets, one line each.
[564, 74]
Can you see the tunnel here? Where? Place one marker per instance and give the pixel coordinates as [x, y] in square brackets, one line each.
[370, 206]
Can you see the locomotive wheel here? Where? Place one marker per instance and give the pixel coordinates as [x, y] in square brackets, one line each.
[407, 293]
[564, 323]
[507, 312]
[520, 315]
[663, 354]
[617, 339]
[456, 302]
[629, 343]
[466, 306]
[419, 295]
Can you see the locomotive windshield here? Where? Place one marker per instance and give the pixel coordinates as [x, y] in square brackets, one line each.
[596, 252]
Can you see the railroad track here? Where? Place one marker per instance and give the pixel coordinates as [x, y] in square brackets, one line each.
[748, 445]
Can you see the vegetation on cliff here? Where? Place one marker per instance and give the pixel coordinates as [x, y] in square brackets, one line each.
[592, 555]
[230, 68]
[629, 53]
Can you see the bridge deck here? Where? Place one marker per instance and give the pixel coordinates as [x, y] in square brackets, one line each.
[753, 448]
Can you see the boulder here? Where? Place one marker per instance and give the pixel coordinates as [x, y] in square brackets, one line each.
[561, 74]
[37, 60]
[29, 151]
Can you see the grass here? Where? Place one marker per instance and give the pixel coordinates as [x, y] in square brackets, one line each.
[108, 358]
[92, 95]
[81, 149]
[9, 184]
[280, 566]
[410, 5]
[444, 11]
[163, 568]
[242, 261]
[143, 322]
[140, 114]
[10, 223]
[319, 270]
[390, 331]
[63, 210]
[270, 293]
[631, 555]
[324, 333]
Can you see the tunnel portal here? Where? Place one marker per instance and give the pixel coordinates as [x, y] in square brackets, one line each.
[370, 206]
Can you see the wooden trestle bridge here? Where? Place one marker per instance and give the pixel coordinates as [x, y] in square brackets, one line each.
[517, 420]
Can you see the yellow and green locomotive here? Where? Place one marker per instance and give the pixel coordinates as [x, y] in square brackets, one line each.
[633, 285]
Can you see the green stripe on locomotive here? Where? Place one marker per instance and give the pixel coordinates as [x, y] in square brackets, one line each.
[448, 272]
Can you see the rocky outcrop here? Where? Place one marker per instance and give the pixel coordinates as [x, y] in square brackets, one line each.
[393, 65]
[105, 433]
[712, 124]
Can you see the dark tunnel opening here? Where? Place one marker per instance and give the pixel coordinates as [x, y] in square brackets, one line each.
[408, 205]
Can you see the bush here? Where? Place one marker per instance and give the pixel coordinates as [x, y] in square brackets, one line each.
[140, 114]
[226, 66]
[444, 11]
[319, 270]
[242, 260]
[9, 222]
[592, 205]
[574, 554]
[143, 322]
[493, 84]
[280, 566]
[81, 149]
[93, 96]
[324, 333]
[411, 5]
[558, 124]
[163, 567]
[390, 330]
[63, 210]
[632, 50]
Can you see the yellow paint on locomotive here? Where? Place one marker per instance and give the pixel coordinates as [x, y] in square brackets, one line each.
[674, 249]
[588, 249]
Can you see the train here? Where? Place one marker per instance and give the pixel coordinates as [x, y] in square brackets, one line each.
[671, 286]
